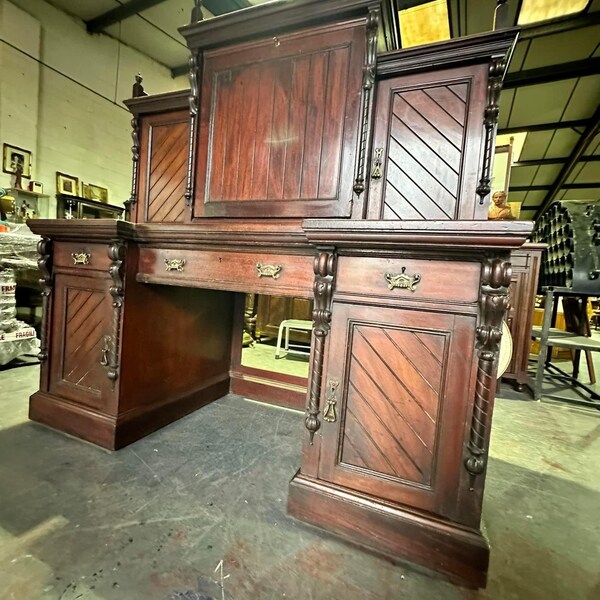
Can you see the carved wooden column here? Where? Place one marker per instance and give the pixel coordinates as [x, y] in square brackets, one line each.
[495, 279]
[324, 268]
[496, 75]
[44, 248]
[116, 252]
[367, 98]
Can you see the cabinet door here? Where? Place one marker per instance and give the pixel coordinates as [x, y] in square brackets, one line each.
[399, 418]
[164, 144]
[428, 134]
[82, 320]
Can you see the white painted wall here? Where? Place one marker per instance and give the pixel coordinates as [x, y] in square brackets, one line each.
[61, 92]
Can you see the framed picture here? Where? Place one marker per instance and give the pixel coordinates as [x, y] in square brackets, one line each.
[66, 184]
[14, 158]
[94, 192]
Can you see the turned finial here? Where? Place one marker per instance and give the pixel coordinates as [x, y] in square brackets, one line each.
[501, 15]
[138, 88]
[197, 11]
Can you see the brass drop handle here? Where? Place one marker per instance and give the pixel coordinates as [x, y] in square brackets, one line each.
[402, 280]
[376, 172]
[329, 413]
[105, 350]
[268, 270]
[81, 258]
[174, 264]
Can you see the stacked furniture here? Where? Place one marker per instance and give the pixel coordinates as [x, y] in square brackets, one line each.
[301, 164]
[523, 287]
[570, 270]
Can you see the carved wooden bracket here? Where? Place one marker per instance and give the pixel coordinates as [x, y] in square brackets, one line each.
[44, 248]
[495, 279]
[116, 253]
[496, 74]
[367, 96]
[324, 269]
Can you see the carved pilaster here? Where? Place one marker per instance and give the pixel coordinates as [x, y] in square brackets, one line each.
[367, 97]
[496, 73]
[495, 279]
[324, 268]
[44, 248]
[135, 159]
[116, 253]
[194, 66]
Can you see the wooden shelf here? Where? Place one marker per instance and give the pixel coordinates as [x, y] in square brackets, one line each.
[12, 191]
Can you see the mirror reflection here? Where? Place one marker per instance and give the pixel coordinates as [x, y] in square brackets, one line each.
[277, 334]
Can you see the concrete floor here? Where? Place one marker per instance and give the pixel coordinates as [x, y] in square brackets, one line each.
[155, 520]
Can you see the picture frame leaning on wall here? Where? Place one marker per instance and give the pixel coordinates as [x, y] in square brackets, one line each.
[14, 157]
[67, 184]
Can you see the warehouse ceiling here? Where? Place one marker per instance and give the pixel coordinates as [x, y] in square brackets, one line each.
[551, 92]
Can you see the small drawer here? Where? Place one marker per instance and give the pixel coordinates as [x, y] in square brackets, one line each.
[75, 255]
[409, 279]
[279, 274]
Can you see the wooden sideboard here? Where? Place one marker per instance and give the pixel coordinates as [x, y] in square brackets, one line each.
[523, 287]
[301, 164]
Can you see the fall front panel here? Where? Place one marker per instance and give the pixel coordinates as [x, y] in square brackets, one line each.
[279, 125]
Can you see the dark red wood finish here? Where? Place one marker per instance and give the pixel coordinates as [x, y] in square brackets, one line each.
[163, 168]
[279, 125]
[403, 411]
[406, 314]
[429, 129]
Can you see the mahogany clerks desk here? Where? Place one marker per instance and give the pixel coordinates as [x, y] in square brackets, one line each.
[301, 163]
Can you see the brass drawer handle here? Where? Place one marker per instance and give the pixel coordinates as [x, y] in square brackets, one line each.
[174, 264]
[81, 258]
[268, 270]
[329, 413]
[402, 280]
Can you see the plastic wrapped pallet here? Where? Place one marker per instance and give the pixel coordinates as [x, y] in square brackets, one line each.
[16, 337]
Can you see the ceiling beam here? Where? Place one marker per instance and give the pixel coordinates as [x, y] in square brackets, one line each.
[551, 73]
[101, 22]
[133, 7]
[543, 188]
[551, 161]
[217, 8]
[545, 127]
[179, 70]
[582, 145]
[559, 25]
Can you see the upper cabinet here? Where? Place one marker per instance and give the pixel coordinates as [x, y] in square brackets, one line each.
[161, 140]
[435, 127]
[292, 114]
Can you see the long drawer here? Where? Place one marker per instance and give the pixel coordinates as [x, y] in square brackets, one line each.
[268, 273]
[407, 278]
